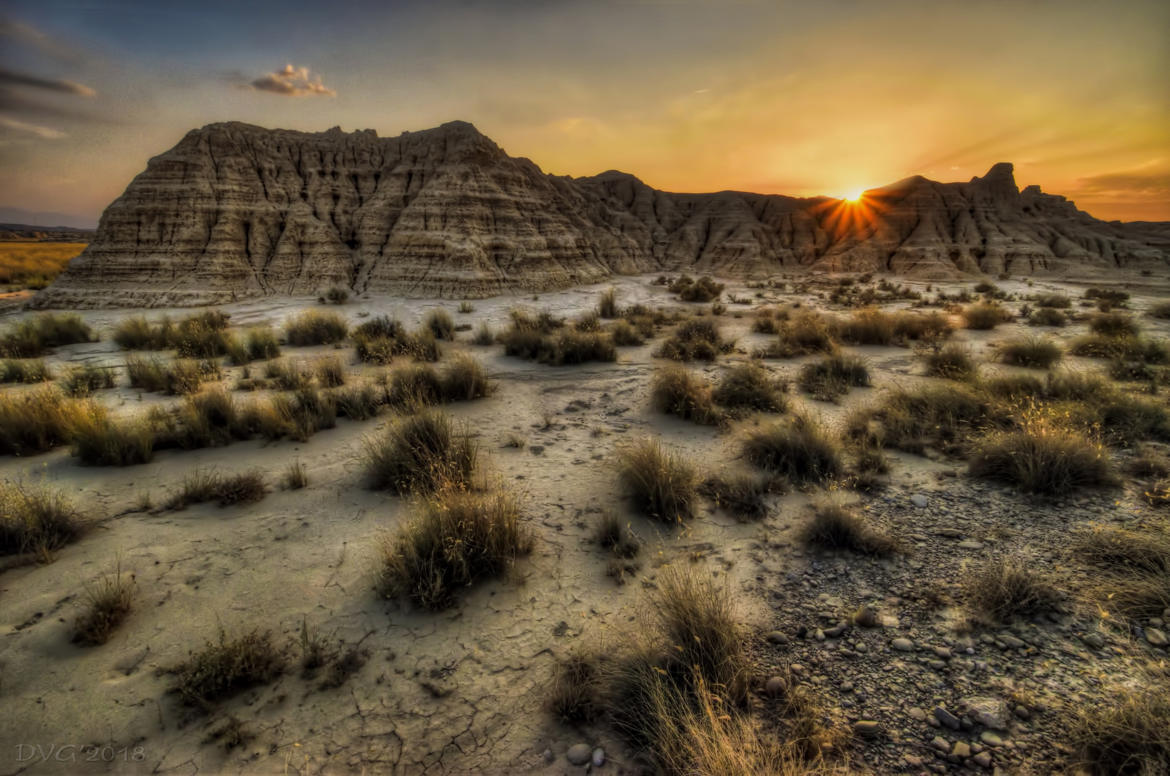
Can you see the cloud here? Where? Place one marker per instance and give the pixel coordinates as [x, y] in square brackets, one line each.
[48, 133]
[12, 78]
[292, 81]
[1130, 183]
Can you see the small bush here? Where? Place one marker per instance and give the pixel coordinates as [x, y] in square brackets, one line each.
[661, 484]
[742, 495]
[1123, 348]
[624, 334]
[202, 487]
[1114, 325]
[289, 375]
[411, 387]
[952, 362]
[336, 295]
[1129, 734]
[805, 333]
[295, 476]
[139, 334]
[35, 520]
[82, 381]
[573, 696]
[24, 370]
[1035, 352]
[260, 344]
[180, 377]
[441, 324]
[226, 666]
[464, 379]
[466, 307]
[420, 454]
[315, 328]
[1053, 301]
[1134, 568]
[1041, 457]
[834, 526]
[985, 315]
[1107, 297]
[690, 290]
[1047, 316]
[484, 336]
[31, 337]
[616, 537]
[750, 387]
[694, 340]
[833, 376]
[1160, 310]
[379, 340]
[329, 371]
[1000, 589]
[202, 335]
[798, 449]
[675, 390]
[607, 306]
[100, 441]
[37, 420]
[107, 604]
[457, 539]
[589, 321]
[358, 402]
[872, 326]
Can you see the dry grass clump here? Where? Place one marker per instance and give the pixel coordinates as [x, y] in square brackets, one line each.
[835, 526]
[379, 340]
[107, 604]
[1042, 457]
[288, 374]
[420, 385]
[1133, 579]
[546, 339]
[419, 454]
[226, 666]
[767, 320]
[180, 377]
[259, 344]
[34, 263]
[1160, 310]
[203, 335]
[1035, 352]
[616, 537]
[335, 295]
[573, 692]
[295, 476]
[484, 336]
[24, 370]
[799, 449]
[607, 306]
[694, 340]
[464, 379]
[690, 290]
[1134, 349]
[313, 327]
[440, 323]
[201, 487]
[1130, 734]
[985, 315]
[802, 334]
[1047, 316]
[31, 337]
[329, 372]
[1053, 301]
[625, 334]
[872, 326]
[137, 333]
[37, 420]
[1115, 325]
[456, 539]
[1000, 589]
[99, 440]
[941, 417]
[676, 390]
[357, 402]
[742, 495]
[750, 386]
[588, 321]
[35, 520]
[662, 485]
[952, 362]
[82, 381]
[833, 376]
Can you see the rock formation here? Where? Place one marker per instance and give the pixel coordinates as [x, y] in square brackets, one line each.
[236, 211]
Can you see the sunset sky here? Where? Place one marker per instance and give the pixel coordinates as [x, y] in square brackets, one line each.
[802, 99]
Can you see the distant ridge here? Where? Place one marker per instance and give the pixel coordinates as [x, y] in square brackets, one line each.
[236, 211]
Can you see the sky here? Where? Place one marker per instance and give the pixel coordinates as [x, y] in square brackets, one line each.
[825, 97]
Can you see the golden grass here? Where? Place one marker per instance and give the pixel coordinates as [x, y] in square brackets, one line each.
[33, 264]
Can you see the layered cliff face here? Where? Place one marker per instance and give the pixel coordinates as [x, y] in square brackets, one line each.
[236, 211]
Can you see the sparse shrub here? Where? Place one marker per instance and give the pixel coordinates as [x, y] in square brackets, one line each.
[82, 381]
[1000, 589]
[24, 370]
[329, 371]
[313, 327]
[1130, 734]
[675, 390]
[1115, 325]
[835, 526]
[1041, 457]
[694, 340]
[357, 402]
[589, 321]
[804, 333]
[440, 324]
[616, 537]
[1053, 301]
[202, 335]
[1160, 310]
[985, 315]
[1047, 316]
[607, 306]
[1035, 352]
[226, 666]
[99, 440]
[107, 604]
[833, 376]
[866, 327]
[484, 336]
[1107, 297]
[1133, 349]
[661, 483]
[288, 375]
[458, 538]
[464, 379]
[690, 290]
[203, 486]
[37, 420]
[337, 295]
[137, 333]
[466, 307]
[743, 495]
[952, 362]
[419, 454]
[574, 691]
[35, 520]
[180, 377]
[750, 386]
[295, 476]
[1133, 565]
[31, 337]
[624, 334]
[983, 287]
[945, 418]
[798, 449]
[1125, 419]
[413, 386]
[259, 344]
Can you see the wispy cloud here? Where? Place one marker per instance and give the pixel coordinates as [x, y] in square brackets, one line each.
[1135, 183]
[291, 81]
[13, 78]
[23, 127]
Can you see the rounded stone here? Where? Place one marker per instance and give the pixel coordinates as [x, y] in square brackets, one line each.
[598, 757]
[579, 754]
[867, 728]
[775, 686]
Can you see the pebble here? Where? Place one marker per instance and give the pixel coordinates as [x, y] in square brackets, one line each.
[990, 738]
[946, 718]
[989, 712]
[917, 714]
[598, 757]
[1094, 640]
[579, 754]
[1022, 712]
[866, 617]
[918, 500]
[867, 728]
[548, 755]
[983, 759]
[776, 637]
[1012, 642]
[903, 645]
[1156, 637]
[775, 686]
[961, 749]
[941, 744]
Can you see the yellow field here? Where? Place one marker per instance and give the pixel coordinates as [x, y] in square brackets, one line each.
[31, 264]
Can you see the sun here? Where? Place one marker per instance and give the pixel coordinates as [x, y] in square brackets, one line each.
[854, 195]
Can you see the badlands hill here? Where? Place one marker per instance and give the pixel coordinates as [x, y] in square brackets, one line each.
[236, 211]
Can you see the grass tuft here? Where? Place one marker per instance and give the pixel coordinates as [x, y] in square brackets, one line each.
[833, 376]
[107, 604]
[952, 362]
[750, 386]
[675, 390]
[226, 666]
[798, 449]
[313, 327]
[835, 526]
[421, 453]
[1035, 352]
[662, 485]
[1042, 457]
[1000, 589]
[35, 520]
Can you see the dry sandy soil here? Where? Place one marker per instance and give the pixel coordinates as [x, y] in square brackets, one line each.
[462, 690]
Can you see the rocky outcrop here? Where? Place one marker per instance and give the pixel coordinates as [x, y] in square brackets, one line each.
[236, 211]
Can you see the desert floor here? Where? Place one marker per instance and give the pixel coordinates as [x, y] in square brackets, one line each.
[463, 690]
